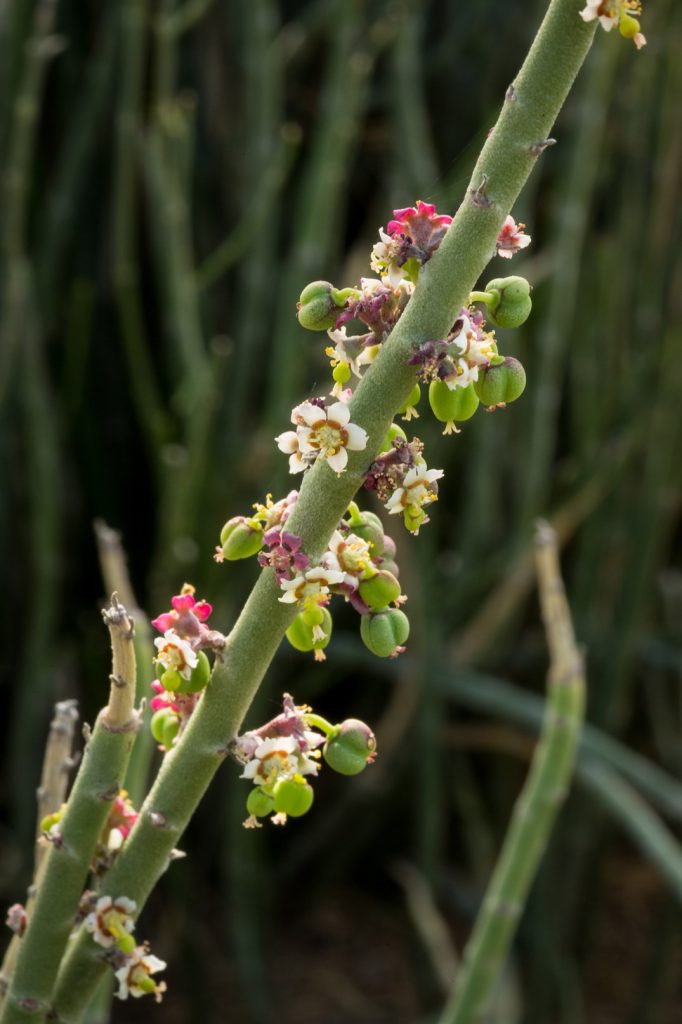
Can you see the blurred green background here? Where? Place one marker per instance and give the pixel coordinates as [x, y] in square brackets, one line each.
[172, 174]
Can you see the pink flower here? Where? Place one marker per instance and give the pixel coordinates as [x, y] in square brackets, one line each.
[187, 615]
[410, 220]
[511, 238]
[414, 234]
[285, 555]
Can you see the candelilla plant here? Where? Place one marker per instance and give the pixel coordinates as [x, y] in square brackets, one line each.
[420, 332]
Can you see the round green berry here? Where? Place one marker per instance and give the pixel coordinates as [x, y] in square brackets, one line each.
[379, 590]
[349, 749]
[512, 304]
[258, 803]
[293, 798]
[240, 538]
[499, 385]
[383, 633]
[452, 405]
[317, 310]
[201, 673]
[300, 632]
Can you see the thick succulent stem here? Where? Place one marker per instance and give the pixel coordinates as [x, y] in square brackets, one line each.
[537, 805]
[529, 110]
[68, 862]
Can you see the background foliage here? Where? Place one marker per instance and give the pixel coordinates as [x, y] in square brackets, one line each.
[170, 181]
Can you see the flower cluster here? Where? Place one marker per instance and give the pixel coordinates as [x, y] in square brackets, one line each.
[184, 668]
[462, 370]
[281, 755]
[458, 358]
[623, 13]
[358, 563]
[408, 242]
[111, 923]
[122, 816]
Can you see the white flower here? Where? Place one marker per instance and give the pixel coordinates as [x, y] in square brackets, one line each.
[110, 919]
[383, 259]
[477, 348]
[416, 489]
[345, 351]
[134, 977]
[330, 434]
[288, 443]
[279, 757]
[327, 433]
[349, 555]
[176, 654]
[310, 586]
[602, 9]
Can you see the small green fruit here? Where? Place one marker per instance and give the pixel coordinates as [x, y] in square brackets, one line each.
[452, 406]
[350, 748]
[171, 680]
[412, 401]
[512, 302]
[293, 798]
[380, 590]
[201, 673]
[300, 632]
[258, 803]
[499, 385]
[341, 372]
[317, 310]
[165, 726]
[240, 538]
[383, 633]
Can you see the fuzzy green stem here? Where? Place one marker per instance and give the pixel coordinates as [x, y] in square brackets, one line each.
[536, 807]
[54, 780]
[445, 283]
[68, 862]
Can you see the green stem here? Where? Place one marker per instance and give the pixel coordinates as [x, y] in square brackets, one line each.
[536, 807]
[486, 297]
[16, 179]
[321, 723]
[252, 224]
[507, 159]
[68, 863]
[51, 792]
[145, 391]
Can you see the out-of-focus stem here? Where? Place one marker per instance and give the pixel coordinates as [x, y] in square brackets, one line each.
[51, 792]
[66, 868]
[150, 411]
[16, 182]
[537, 806]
